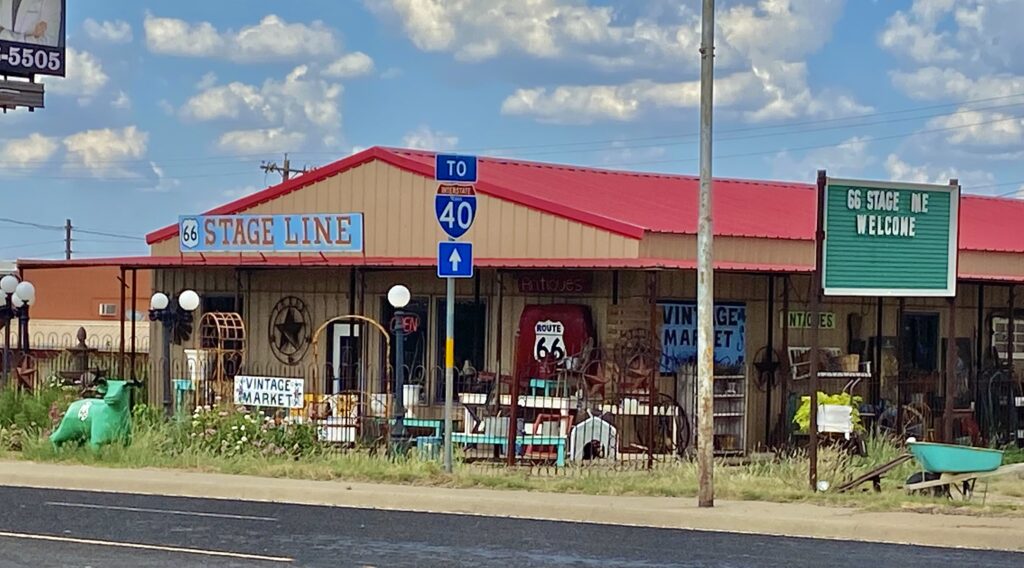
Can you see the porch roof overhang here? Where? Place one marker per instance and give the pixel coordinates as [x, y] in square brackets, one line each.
[269, 261]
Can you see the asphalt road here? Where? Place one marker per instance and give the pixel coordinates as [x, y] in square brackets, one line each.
[44, 528]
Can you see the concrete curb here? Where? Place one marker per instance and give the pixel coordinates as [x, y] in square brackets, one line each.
[794, 520]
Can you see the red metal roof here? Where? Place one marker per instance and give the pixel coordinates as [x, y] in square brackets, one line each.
[631, 203]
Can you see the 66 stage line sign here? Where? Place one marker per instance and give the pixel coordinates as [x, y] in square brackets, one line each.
[335, 232]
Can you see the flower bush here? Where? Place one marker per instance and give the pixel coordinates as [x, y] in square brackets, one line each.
[235, 431]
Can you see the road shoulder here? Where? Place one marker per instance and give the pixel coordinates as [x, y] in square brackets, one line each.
[795, 520]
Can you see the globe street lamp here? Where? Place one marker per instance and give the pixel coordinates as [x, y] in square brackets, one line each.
[18, 297]
[398, 297]
[172, 315]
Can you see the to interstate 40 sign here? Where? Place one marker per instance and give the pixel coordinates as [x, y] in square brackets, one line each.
[455, 206]
[890, 239]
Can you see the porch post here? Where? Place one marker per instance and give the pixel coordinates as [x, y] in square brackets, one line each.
[122, 284]
[771, 359]
[947, 422]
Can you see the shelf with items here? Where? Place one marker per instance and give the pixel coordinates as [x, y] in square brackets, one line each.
[730, 411]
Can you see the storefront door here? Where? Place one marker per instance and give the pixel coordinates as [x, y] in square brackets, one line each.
[470, 345]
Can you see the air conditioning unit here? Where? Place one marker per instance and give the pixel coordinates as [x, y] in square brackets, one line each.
[108, 310]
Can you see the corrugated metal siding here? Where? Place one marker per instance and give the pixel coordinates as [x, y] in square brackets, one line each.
[399, 220]
[730, 249]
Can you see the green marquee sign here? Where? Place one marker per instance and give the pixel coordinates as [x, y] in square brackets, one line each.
[890, 239]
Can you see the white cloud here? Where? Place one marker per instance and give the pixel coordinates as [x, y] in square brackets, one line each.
[272, 38]
[260, 141]
[28, 153]
[424, 138]
[940, 83]
[208, 80]
[122, 102]
[85, 77]
[478, 30]
[916, 34]
[274, 113]
[103, 152]
[981, 128]
[163, 183]
[851, 158]
[779, 91]
[900, 170]
[391, 73]
[350, 65]
[117, 31]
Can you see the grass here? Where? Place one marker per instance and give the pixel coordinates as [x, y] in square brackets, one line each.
[782, 479]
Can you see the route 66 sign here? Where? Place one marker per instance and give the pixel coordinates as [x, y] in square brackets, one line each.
[189, 232]
[549, 340]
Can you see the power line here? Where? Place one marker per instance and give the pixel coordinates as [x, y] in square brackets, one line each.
[31, 224]
[104, 234]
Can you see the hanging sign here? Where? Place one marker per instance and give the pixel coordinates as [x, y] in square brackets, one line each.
[890, 239]
[679, 334]
[334, 232]
[549, 340]
[269, 391]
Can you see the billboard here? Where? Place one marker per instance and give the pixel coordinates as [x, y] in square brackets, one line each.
[890, 239]
[32, 37]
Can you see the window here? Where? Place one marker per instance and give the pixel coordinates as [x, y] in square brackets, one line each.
[999, 325]
[470, 344]
[344, 350]
[108, 310]
[920, 339]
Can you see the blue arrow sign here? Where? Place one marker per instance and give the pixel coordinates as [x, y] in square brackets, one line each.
[454, 259]
[450, 167]
[455, 207]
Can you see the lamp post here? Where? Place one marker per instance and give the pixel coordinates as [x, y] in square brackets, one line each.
[171, 316]
[398, 297]
[18, 296]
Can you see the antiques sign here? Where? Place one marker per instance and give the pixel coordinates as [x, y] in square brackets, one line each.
[890, 239]
[541, 284]
[802, 320]
[335, 232]
[679, 334]
[269, 391]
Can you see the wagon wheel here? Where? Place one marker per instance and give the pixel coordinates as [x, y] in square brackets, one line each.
[661, 441]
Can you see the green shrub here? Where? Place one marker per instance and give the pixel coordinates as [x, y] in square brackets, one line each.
[34, 411]
[229, 431]
[802, 418]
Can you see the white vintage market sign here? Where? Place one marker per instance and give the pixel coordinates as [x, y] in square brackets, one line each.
[269, 391]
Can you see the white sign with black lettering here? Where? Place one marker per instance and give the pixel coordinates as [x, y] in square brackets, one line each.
[549, 340]
[269, 391]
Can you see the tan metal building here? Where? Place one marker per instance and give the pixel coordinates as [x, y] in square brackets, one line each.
[622, 244]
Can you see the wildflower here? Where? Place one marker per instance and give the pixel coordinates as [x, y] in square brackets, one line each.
[234, 427]
[244, 439]
[223, 413]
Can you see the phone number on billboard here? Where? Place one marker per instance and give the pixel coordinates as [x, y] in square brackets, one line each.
[31, 59]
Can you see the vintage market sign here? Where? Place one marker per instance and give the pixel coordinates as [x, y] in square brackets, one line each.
[334, 232]
[269, 391]
[802, 320]
[890, 239]
[679, 334]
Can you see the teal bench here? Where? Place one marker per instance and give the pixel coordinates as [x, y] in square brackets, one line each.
[437, 425]
[557, 441]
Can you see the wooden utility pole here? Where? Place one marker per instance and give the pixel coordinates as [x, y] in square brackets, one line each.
[67, 239]
[951, 359]
[285, 170]
[705, 272]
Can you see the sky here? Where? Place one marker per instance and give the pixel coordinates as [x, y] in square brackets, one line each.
[170, 108]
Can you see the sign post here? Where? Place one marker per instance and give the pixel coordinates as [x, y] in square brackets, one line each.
[455, 208]
[879, 238]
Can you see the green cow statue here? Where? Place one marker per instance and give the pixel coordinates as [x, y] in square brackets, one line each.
[98, 421]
